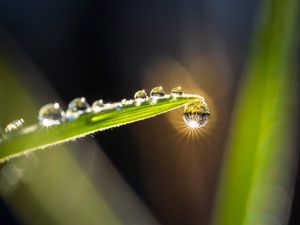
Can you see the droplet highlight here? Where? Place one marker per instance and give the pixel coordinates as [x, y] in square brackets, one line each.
[77, 107]
[51, 114]
[97, 106]
[157, 92]
[196, 114]
[176, 91]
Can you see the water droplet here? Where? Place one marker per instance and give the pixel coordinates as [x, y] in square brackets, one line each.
[51, 114]
[176, 91]
[77, 107]
[118, 106]
[97, 106]
[157, 92]
[14, 126]
[126, 102]
[110, 106]
[196, 114]
[140, 96]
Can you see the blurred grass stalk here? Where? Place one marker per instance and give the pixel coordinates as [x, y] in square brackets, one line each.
[256, 183]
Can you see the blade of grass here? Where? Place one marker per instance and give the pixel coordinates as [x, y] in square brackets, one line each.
[53, 185]
[255, 180]
[36, 136]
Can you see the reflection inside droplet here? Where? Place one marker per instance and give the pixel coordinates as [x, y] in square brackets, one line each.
[176, 91]
[51, 114]
[157, 92]
[97, 105]
[195, 120]
[77, 107]
[196, 114]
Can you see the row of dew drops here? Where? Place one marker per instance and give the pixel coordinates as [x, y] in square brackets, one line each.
[195, 114]
[52, 114]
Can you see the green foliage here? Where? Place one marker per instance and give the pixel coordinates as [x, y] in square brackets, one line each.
[253, 187]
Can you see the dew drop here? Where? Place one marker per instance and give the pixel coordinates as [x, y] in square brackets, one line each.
[14, 126]
[118, 106]
[51, 114]
[140, 96]
[176, 91]
[157, 92]
[196, 114]
[97, 106]
[110, 106]
[77, 107]
[126, 102]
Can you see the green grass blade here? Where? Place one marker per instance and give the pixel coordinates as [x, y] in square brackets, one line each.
[256, 176]
[36, 136]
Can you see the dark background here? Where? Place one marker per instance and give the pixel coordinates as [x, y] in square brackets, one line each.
[100, 49]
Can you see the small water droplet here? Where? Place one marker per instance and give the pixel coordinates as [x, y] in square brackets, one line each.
[14, 126]
[140, 96]
[77, 107]
[126, 102]
[51, 114]
[176, 91]
[97, 106]
[157, 92]
[118, 106]
[110, 106]
[196, 114]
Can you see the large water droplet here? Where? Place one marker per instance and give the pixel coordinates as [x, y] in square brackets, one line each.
[157, 92]
[51, 114]
[14, 126]
[176, 91]
[77, 107]
[97, 106]
[140, 96]
[196, 114]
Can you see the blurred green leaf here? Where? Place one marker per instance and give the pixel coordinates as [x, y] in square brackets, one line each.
[256, 177]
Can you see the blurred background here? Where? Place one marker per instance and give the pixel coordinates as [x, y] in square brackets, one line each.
[151, 172]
